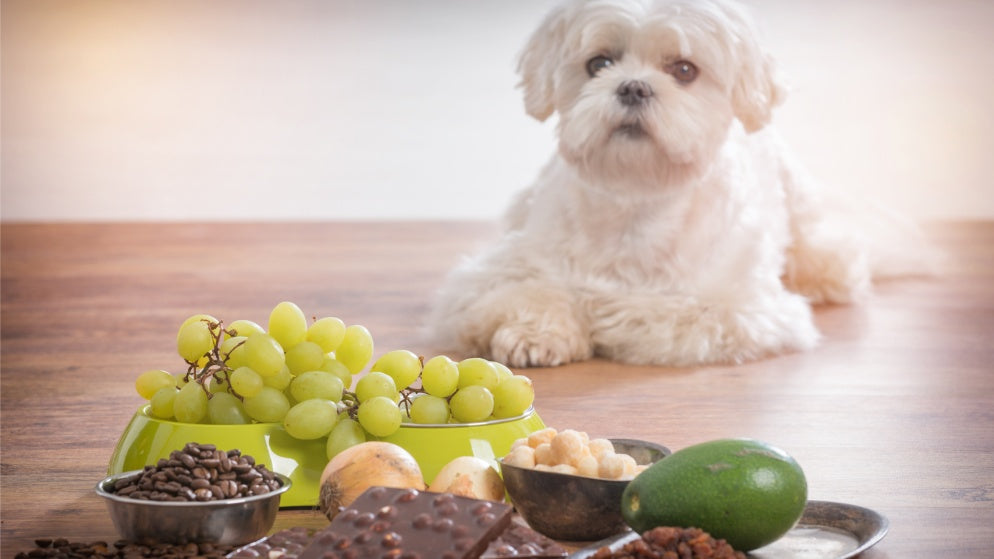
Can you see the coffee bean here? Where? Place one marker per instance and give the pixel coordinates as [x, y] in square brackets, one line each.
[225, 462]
[187, 460]
[230, 488]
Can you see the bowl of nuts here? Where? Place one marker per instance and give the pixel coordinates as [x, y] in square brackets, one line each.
[200, 494]
[568, 486]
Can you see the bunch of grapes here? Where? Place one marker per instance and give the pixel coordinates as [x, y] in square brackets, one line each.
[313, 379]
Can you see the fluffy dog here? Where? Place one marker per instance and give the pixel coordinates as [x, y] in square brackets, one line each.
[672, 227]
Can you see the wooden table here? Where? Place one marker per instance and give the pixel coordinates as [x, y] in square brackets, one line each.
[894, 411]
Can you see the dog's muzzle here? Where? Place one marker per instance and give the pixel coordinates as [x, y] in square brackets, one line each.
[633, 93]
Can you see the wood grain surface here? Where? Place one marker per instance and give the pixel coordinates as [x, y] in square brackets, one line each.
[893, 411]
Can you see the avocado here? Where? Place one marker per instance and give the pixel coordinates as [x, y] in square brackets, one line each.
[744, 491]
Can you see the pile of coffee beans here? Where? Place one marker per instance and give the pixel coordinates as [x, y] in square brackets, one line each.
[61, 548]
[198, 472]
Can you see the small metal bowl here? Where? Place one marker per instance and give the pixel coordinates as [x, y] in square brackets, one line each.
[571, 507]
[226, 521]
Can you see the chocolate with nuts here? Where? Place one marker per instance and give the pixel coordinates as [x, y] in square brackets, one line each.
[522, 542]
[410, 524]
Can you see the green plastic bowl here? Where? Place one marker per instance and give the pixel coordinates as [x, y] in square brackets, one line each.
[146, 439]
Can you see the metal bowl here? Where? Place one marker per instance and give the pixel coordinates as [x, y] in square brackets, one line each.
[226, 521]
[571, 507]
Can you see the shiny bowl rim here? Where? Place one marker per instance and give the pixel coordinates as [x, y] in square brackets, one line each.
[285, 484]
[486, 423]
[144, 410]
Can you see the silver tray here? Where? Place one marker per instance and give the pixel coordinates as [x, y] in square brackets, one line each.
[826, 530]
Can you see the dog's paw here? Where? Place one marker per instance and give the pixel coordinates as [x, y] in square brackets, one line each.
[520, 345]
[683, 332]
[833, 272]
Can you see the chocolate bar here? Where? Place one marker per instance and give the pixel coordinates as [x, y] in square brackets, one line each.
[288, 543]
[391, 523]
[522, 542]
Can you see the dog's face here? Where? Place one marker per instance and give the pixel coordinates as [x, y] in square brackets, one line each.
[646, 90]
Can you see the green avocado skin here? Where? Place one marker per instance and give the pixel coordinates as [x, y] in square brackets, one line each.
[744, 491]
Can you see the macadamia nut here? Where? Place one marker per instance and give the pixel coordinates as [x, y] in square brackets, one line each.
[543, 436]
[521, 456]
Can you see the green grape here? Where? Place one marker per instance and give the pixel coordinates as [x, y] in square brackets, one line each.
[402, 365]
[232, 351]
[316, 384]
[476, 371]
[503, 372]
[161, 403]
[190, 405]
[356, 348]
[226, 409]
[346, 433]
[217, 383]
[280, 380]
[245, 328]
[337, 368]
[246, 382]
[305, 356]
[440, 376]
[429, 409]
[376, 384]
[471, 404]
[311, 419]
[287, 324]
[327, 332]
[151, 381]
[379, 416]
[268, 406]
[196, 337]
[199, 318]
[264, 355]
[513, 396]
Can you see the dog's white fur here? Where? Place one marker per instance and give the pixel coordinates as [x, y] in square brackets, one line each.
[687, 237]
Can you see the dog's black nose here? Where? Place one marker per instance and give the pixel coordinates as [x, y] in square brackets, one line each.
[633, 92]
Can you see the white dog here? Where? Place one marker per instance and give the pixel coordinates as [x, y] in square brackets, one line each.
[671, 227]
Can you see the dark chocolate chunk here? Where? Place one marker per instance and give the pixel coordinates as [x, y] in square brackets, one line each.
[522, 542]
[410, 524]
[288, 543]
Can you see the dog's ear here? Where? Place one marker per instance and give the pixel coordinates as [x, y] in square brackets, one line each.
[538, 61]
[757, 90]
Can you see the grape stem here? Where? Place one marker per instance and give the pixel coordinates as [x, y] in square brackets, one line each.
[215, 367]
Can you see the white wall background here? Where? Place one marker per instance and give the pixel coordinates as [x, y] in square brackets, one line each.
[338, 109]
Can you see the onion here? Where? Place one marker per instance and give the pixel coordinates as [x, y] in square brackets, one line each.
[469, 476]
[365, 465]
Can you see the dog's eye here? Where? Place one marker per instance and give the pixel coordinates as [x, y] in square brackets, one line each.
[598, 63]
[683, 70]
